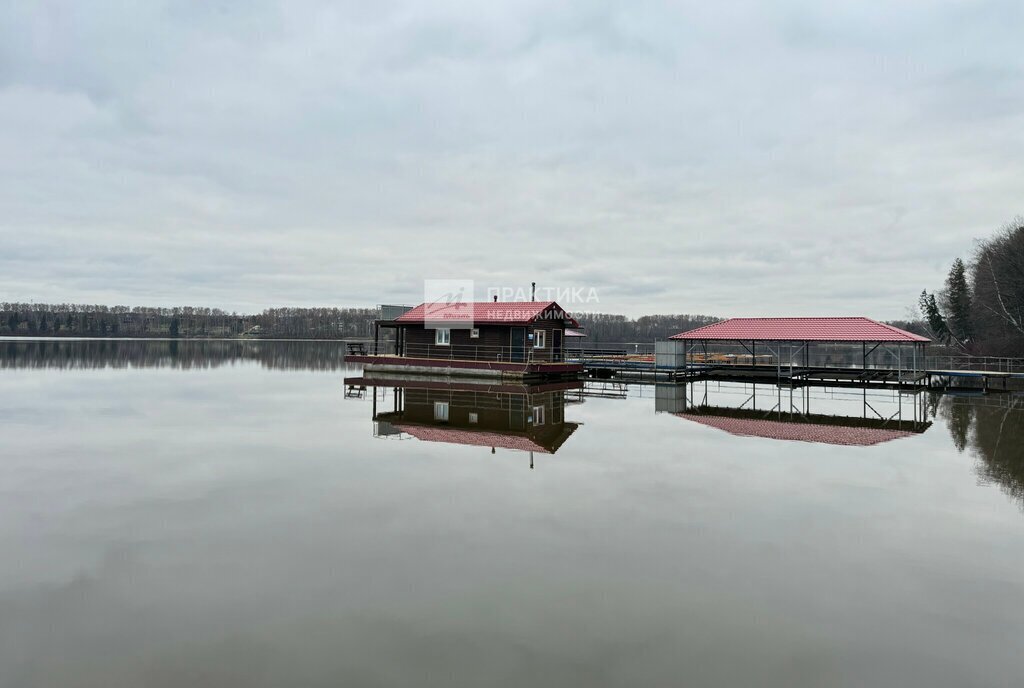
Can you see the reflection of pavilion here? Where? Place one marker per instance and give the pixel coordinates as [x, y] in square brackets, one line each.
[840, 416]
[528, 418]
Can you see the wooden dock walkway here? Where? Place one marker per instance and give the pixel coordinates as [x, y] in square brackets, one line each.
[642, 368]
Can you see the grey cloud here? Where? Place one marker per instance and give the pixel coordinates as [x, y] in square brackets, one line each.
[791, 158]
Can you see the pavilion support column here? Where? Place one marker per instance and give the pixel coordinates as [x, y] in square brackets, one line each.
[917, 371]
[778, 364]
[376, 336]
[899, 379]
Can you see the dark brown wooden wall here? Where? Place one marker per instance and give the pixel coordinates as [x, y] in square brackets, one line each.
[493, 340]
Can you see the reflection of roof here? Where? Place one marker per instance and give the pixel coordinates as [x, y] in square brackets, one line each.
[476, 438]
[487, 312]
[802, 329]
[800, 432]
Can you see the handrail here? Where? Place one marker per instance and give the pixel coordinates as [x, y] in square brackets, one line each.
[526, 353]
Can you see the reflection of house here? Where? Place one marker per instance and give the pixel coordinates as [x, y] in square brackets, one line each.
[528, 418]
[493, 339]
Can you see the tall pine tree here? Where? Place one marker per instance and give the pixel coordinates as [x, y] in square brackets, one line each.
[956, 301]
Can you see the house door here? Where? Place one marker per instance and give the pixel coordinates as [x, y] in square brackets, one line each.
[556, 345]
[518, 352]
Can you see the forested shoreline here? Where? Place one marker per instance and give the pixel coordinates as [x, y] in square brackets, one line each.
[980, 309]
[83, 320]
[96, 321]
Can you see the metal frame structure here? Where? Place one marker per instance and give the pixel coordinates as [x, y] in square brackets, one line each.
[794, 359]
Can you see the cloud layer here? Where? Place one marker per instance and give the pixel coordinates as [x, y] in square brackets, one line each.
[792, 159]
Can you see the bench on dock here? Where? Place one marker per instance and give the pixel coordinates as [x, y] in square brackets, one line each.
[356, 348]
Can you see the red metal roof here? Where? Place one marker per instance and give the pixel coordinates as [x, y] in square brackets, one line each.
[488, 312]
[471, 437]
[800, 432]
[802, 329]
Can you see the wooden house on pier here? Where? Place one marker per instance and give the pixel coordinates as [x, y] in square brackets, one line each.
[522, 339]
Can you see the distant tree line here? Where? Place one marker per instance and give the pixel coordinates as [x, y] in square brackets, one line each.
[603, 327]
[81, 320]
[187, 322]
[980, 309]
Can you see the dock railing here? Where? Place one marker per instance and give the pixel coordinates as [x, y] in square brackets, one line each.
[827, 359]
[472, 352]
[993, 364]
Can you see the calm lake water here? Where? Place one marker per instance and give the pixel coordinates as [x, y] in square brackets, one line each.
[234, 514]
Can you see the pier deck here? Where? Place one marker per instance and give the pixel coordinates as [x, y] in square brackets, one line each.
[636, 368]
[465, 367]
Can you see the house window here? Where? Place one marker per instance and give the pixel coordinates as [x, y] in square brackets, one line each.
[474, 333]
[440, 410]
[443, 336]
[473, 418]
[539, 339]
[538, 415]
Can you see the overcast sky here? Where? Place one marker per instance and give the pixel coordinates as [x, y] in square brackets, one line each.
[726, 158]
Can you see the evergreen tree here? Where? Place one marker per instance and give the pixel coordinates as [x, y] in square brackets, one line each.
[957, 304]
[933, 317]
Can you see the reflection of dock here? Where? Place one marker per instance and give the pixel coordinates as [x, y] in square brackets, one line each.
[840, 416]
[517, 417]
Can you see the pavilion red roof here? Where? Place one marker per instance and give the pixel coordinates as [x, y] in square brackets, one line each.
[800, 432]
[488, 312]
[802, 329]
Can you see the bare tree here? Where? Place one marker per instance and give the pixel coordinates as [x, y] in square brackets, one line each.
[998, 276]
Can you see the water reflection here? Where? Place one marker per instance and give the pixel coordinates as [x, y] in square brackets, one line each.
[991, 428]
[245, 527]
[517, 417]
[69, 354]
[825, 415]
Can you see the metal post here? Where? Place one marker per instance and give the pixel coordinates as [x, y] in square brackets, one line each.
[915, 363]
